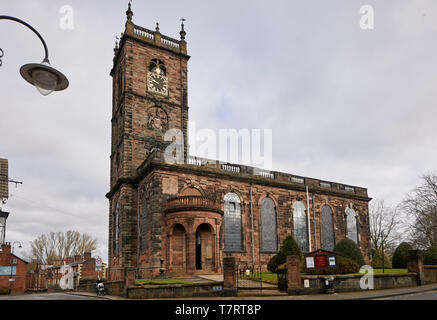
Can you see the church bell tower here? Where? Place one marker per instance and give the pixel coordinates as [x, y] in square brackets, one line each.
[149, 97]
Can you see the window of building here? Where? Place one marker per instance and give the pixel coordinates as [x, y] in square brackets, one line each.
[328, 238]
[300, 225]
[120, 82]
[232, 223]
[157, 66]
[143, 223]
[116, 231]
[269, 236]
[351, 224]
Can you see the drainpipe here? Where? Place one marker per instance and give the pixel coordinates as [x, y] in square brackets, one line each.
[251, 221]
[138, 232]
[315, 223]
[308, 221]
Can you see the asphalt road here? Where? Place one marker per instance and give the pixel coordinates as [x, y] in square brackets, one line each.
[430, 295]
[48, 296]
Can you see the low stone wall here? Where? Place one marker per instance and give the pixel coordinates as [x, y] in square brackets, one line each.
[211, 289]
[430, 274]
[114, 288]
[348, 283]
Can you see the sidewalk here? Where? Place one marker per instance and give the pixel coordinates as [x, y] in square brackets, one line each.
[93, 295]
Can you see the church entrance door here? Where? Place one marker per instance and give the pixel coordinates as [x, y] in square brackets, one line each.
[204, 248]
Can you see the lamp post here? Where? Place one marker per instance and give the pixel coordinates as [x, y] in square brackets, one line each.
[11, 279]
[382, 252]
[44, 77]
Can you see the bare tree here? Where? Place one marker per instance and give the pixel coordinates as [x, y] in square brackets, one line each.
[384, 223]
[421, 206]
[58, 245]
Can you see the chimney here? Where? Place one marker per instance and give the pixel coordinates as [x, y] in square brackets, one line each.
[69, 260]
[6, 248]
[77, 257]
[87, 256]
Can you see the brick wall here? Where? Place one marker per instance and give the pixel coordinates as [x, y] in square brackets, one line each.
[19, 285]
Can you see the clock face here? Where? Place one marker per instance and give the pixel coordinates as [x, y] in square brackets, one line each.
[157, 83]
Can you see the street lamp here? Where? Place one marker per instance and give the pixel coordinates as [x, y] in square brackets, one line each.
[3, 218]
[44, 77]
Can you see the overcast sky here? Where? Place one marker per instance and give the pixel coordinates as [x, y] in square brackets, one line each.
[345, 104]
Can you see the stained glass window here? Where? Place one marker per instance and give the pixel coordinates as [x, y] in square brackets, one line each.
[328, 241]
[269, 237]
[232, 223]
[300, 225]
[351, 224]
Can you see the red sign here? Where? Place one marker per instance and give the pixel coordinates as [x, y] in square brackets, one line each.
[321, 261]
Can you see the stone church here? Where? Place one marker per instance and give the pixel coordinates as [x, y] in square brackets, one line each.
[186, 217]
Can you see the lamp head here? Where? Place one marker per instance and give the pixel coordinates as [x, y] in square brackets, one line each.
[44, 77]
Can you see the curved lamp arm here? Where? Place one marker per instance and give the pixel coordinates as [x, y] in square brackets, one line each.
[44, 77]
[46, 59]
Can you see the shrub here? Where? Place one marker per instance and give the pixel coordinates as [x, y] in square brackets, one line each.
[377, 259]
[400, 256]
[346, 265]
[273, 264]
[347, 248]
[4, 291]
[430, 256]
[289, 248]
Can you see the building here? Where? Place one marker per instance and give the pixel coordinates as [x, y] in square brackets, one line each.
[184, 217]
[68, 273]
[37, 277]
[12, 270]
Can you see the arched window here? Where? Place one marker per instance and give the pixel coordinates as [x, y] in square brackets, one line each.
[351, 224]
[328, 240]
[120, 82]
[157, 66]
[300, 225]
[232, 223]
[144, 228]
[269, 236]
[116, 232]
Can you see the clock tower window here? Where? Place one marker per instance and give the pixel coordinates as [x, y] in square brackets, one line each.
[157, 66]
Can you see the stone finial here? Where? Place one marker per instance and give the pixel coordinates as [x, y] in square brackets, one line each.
[129, 12]
[157, 27]
[182, 33]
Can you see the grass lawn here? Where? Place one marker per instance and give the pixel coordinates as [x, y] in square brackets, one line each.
[391, 271]
[161, 281]
[272, 277]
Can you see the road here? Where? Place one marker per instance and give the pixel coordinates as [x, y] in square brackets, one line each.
[430, 295]
[48, 296]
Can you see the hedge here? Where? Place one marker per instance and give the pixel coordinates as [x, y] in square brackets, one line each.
[347, 248]
[400, 256]
[289, 248]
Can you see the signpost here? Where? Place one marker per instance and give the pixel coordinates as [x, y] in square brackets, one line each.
[99, 266]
